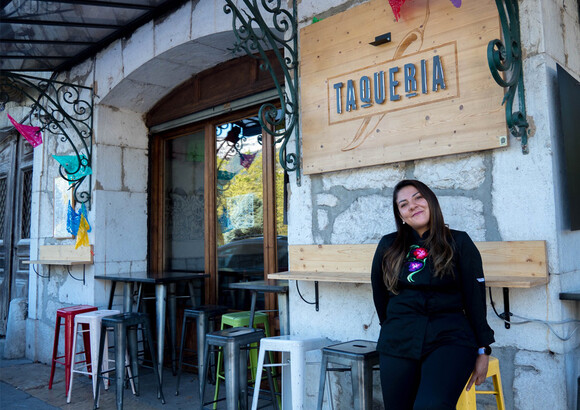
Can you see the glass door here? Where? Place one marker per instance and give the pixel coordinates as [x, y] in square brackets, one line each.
[218, 206]
[184, 222]
[249, 246]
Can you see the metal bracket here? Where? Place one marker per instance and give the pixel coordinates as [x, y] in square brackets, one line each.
[70, 274]
[65, 111]
[255, 37]
[38, 274]
[506, 57]
[506, 308]
[316, 295]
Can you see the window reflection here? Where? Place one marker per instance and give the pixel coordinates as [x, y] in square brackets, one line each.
[184, 203]
[240, 209]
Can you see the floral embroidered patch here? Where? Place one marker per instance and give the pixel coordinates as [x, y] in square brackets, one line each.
[415, 261]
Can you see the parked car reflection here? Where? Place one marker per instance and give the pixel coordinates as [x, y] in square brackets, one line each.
[243, 260]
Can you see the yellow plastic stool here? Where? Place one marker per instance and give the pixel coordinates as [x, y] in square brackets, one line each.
[239, 319]
[467, 401]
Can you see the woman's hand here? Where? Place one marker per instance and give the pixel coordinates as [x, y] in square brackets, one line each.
[480, 372]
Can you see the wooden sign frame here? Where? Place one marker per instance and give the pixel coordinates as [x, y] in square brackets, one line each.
[427, 93]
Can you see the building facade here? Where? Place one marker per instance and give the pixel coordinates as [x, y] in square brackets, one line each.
[493, 194]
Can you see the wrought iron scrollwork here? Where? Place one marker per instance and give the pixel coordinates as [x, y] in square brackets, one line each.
[65, 111]
[506, 57]
[255, 37]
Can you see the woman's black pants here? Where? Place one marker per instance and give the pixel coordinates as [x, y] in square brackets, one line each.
[433, 382]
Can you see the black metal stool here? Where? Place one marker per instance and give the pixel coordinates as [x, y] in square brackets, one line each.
[204, 317]
[125, 326]
[234, 341]
[360, 356]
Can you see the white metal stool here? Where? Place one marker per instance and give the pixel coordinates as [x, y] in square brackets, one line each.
[293, 365]
[93, 320]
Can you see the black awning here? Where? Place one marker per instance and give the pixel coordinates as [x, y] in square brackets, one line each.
[40, 35]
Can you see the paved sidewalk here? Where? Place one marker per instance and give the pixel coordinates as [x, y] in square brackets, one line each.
[24, 385]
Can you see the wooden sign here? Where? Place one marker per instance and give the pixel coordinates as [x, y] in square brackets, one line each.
[428, 92]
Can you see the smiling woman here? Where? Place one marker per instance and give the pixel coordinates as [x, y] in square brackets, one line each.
[429, 293]
[413, 209]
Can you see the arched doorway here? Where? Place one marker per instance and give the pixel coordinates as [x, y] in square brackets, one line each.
[217, 190]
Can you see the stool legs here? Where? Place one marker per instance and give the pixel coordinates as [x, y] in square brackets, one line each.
[54, 351]
[468, 400]
[126, 336]
[362, 378]
[180, 362]
[203, 326]
[261, 357]
[133, 353]
[296, 368]
[234, 343]
[68, 315]
[322, 381]
[93, 369]
[499, 396]
[203, 377]
[120, 348]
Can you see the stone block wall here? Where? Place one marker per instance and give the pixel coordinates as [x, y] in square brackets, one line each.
[494, 195]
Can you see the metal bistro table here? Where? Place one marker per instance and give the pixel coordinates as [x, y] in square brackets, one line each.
[280, 287]
[162, 282]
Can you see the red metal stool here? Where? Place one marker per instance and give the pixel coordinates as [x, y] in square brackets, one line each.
[69, 314]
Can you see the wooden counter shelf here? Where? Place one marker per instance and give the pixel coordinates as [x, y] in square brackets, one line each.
[63, 255]
[506, 264]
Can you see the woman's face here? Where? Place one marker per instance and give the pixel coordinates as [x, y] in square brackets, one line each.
[413, 209]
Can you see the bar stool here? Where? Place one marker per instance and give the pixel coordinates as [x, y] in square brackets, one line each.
[68, 314]
[92, 320]
[124, 327]
[204, 316]
[467, 400]
[360, 356]
[293, 350]
[233, 341]
[240, 319]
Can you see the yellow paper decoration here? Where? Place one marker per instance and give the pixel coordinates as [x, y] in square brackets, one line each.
[82, 234]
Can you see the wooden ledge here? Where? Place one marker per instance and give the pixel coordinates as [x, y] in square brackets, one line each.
[65, 255]
[57, 262]
[509, 264]
[351, 277]
[347, 277]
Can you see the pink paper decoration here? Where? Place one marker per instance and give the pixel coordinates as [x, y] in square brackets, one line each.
[397, 4]
[32, 134]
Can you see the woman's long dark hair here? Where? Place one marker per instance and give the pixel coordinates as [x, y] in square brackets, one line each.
[438, 242]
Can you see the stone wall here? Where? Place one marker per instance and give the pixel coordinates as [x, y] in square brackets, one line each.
[495, 195]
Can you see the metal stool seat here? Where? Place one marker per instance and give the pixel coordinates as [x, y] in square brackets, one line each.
[467, 400]
[68, 314]
[234, 342]
[125, 326]
[293, 365]
[204, 317]
[93, 321]
[360, 356]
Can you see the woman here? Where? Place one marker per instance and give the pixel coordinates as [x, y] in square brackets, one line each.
[429, 292]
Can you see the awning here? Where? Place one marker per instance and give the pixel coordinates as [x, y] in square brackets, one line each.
[40, 35]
